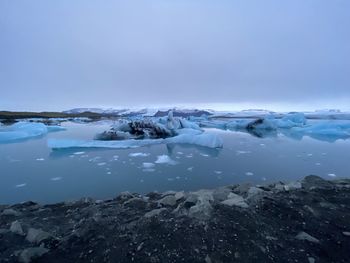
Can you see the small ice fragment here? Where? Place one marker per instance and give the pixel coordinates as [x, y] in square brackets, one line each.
[190, 169]
[324, 154]
[309, 154]
[180, 153]
[242, 152]
[177, 177]
[147, 165]
[109, 173]
[317, 164]
[40, 159]
[139, 154]
[141, 181]
[218, 172]
[332, 175]
[148, 170]
[71, 156]
[170, 179]
[95, 159]
[204, 155]
[56, 178]
[78, 153]
[20, 185]
[161, 159]
[262, 144]
[189, 155]
[249, 173]
[263, 178]
[101, 164]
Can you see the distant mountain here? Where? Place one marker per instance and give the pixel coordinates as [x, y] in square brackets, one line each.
[141, 112]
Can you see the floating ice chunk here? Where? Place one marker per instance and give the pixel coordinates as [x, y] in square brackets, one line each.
[309, 154]
[249, 173]
[161, 159]
[325, 130]
[109, 172]
[242, 152]
[148, 165]
[190, 169]
[78, 153]
[187, 136]
[204, 155]
[292, 120]
[139, 154]
[56, 178]
[204, 139]
[189, 155]
[25, 130]
[149, 170]
[20, 185]
[331, 175]
[40, 159]
[180, 153]
[218, 172]
[101, 164]
[318, 164]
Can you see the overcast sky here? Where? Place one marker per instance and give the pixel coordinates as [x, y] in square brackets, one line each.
[62, 54]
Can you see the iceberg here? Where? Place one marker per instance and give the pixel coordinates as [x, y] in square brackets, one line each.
[207, 140]
[25, 130]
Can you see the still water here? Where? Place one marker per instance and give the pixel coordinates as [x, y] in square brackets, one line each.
[32, 171]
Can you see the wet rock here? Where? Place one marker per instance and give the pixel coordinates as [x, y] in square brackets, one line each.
[37, 235]
[3, 231]
[242, 188]
[203, 208]
[136, 202]
[235, 200]
[221, 194]
[168, 200]
[179, 195]
[313, 182]
[29, 254]
[16, 228]
[154, 212]
[307, 237]
[311, 260]
[123, 196]
[292, 186]
[168, 193]
[10, 212]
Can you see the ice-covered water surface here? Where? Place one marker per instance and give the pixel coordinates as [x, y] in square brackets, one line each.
[32, 171]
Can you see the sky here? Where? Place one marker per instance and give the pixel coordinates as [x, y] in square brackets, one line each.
[224, 54]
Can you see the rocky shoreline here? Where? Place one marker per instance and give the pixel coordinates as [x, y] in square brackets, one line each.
[306, 221]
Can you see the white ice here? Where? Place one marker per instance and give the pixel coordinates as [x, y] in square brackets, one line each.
[139, 154]
[25, 130]
[165, 159]
[148, 165]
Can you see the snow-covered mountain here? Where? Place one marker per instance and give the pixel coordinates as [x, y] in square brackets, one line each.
[147, 112]
[185, 112]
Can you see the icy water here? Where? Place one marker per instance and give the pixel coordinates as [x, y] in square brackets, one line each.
[32, 171]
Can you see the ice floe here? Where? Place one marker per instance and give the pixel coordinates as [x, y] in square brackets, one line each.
[78, 153]
[139, 154]
[148, 165]
[25, 130]
[20, 185]
[165, 159]
[56, 178]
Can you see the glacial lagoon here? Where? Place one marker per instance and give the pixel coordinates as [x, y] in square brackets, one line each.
[30, 170]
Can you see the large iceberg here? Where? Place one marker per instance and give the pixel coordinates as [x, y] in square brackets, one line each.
[207, 140]
[132, 134]
[25, 130]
